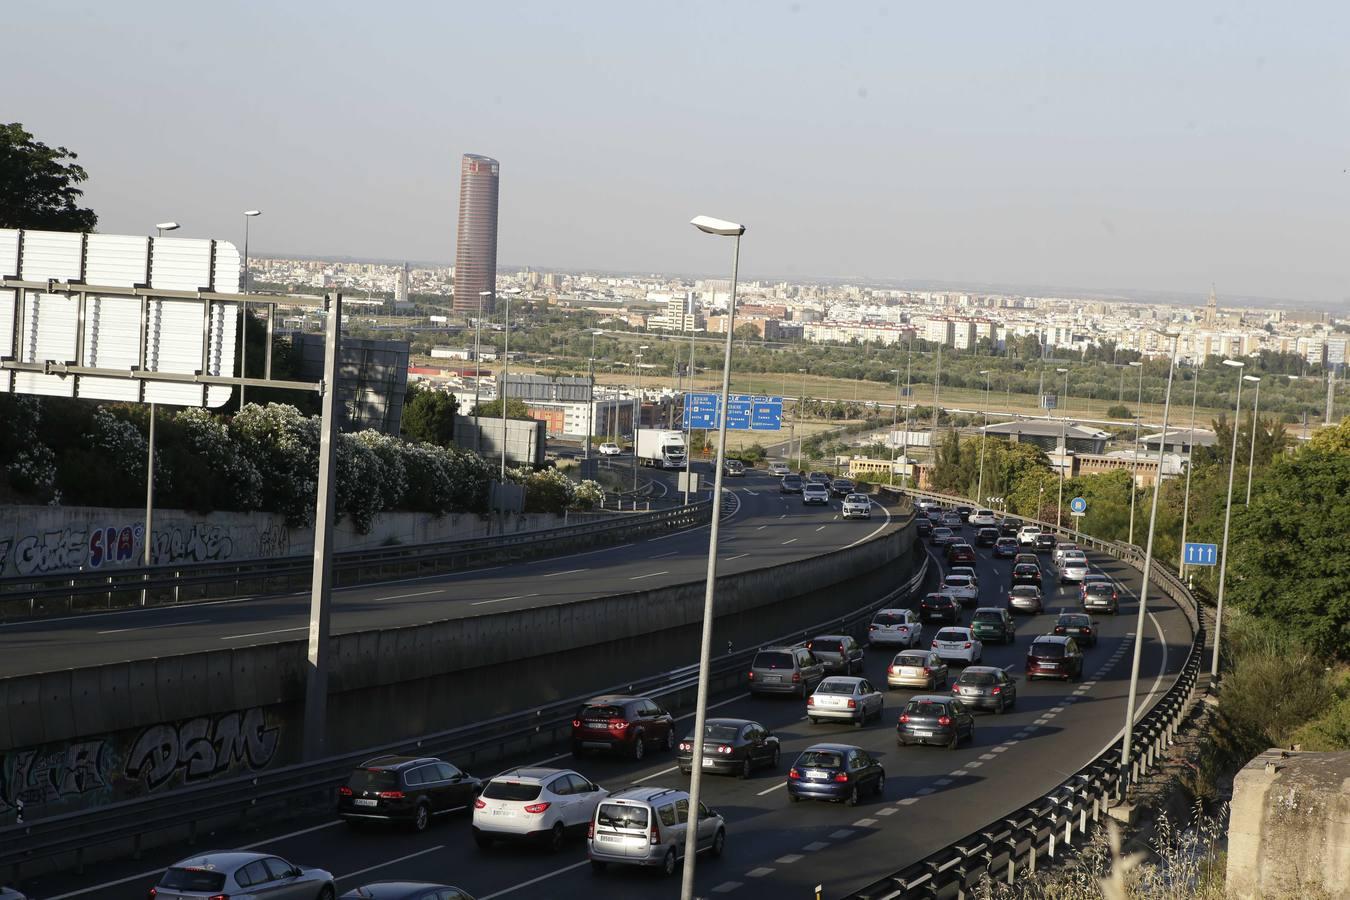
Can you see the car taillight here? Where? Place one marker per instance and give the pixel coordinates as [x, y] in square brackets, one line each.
[927, 671]
[535, 809]
[810, 645]
[904, 717]
[655, 836]
[344, 791]
[796, 676]
[997, 689]
[853, 704]
[684, 746]
[724, 748]
[576, 723]
[590, 829]
[842, 777]
[617, 725]
[390, 795]
[894, 670]
[956, 688]
[752, 676]
[794, 775]
[152, 895]
[934, 642]
[811, 701]
[967, 645]
[479, 803]
[945, 720]
[872, 627]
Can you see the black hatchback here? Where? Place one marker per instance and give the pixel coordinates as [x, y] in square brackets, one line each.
[1045, 542]
[405, 789]
[939, 607]
[732, 747]
[986, 537]
[840, 653]
[1009, 528]
[1026, 573]
[923, 525]
[935, 719]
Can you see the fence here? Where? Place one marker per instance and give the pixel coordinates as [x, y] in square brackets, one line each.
[1012, 845]
[30, 597]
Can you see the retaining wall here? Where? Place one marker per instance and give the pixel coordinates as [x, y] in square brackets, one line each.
[77, 738]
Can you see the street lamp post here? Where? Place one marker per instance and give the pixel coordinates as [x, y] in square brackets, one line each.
[1148, 565]
[1134, 479]
[160, 228]
[895, 421]
[801, 419]
[904, 436]
[729, 229]
[984, 439]
[590, 396]
[1251, 457]
[506, 371]
[689, 425]
[1186, 503]
[1063, 448]
[637, 413]
[477, 368]
[243, 319]
[1227, 518]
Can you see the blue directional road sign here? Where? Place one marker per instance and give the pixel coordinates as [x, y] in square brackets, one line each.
[744, 413]
[1201, 554]
[766, 413]
[700, 410]
[1078, 505]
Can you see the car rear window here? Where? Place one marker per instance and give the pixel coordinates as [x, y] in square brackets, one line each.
[948, 634]
[911, 659]
[1074, 621]
[372, 780]
[604, 711]
[511, 790]
[957, 580]
[720, 731]
[1054, 651]
[1098, 587]
[192, 880]
[827, 759]
[835, 686]
[1024, 590]
[612, 815]
[773, 660]
[1026, 569]
[925, 708]
[990, 616]
[976, 678]
[819, 646]
[888, 619]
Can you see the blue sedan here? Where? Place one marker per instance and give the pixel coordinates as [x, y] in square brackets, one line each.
[836, 772]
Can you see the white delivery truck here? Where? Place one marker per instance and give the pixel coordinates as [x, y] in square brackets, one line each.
[659, 448]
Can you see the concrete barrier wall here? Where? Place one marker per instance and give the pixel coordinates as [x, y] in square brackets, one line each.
[84, 737]
[45, 540]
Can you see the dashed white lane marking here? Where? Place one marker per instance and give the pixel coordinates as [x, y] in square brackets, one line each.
[568, 572]
[1024, 734]
[1007, 744]
[761, 528]
[760, 872]
[888, 811]
[390, 862]
[840, 834]
[503, 599]
[161, 625]
[864, 823]
[943, 782]
[924, 792]
[545, 877]
[789, 541]
[1043, 720]
[726, 887]
[815, 846]
[665, 555]
[405, 596]
[789, 859]
[781, 784]
[987, 756]
[909, 801]
[821, 528]
[973, 764]
[1057, 709]
[736, 557]
[240, 637]
[783, 516]
[648, 575]
[654, 775]
[1001, 749]
[960, 773]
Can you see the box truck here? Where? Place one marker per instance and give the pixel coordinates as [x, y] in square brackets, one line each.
[660, 448]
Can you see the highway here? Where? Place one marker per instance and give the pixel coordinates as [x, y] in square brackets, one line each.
[761, 527]
[776, 849]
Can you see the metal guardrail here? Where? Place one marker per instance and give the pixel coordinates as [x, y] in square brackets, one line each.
[1012, 845]
[304, 785]
[33, 597]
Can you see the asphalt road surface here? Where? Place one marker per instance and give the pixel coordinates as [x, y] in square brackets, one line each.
[760, 527]
[775, 849]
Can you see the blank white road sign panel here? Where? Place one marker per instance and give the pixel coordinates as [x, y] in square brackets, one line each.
[180, 336]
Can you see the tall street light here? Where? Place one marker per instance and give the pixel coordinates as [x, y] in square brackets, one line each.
[1063, 448]
[904, 436]
[689, 421]
[984, 439]
[1186, 503]
[1148, 565]
[801, 419]
[1138, 412]
[590, 395]
[1227, 517]
[478, 365]
[160, 228]
[1251, 457]
[506, 371]
[243, 319]
[726, 229]
[895, 421]
[637, 411]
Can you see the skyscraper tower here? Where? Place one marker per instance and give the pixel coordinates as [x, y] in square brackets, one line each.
[1211, 305]
[476, 243]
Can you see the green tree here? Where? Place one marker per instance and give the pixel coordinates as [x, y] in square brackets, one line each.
[429, 416]
[38, 189]
[1119, 411]
[515, 409]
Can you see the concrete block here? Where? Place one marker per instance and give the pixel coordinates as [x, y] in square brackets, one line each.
[143, 688]
[23, 709]
[174, 701]
[92, 713]
[58, 712]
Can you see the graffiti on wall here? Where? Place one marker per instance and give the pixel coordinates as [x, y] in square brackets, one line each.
[44, 781]
[49, 551]
[195, 543]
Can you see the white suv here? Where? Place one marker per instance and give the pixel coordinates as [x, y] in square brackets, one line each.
[815, 493]
[646, 826]
[1060, 549]
[961, 589]
[958, 644]
[983, 518]
[857, 505]
[1027, 535]
[609, 448]
[1073, 566]
[895, 626]
[534, 803]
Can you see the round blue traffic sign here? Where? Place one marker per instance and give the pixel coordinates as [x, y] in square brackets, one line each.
[1078, 505]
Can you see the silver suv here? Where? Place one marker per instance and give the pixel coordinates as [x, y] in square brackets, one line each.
[785, 670]
[241, 876]
[647, 826]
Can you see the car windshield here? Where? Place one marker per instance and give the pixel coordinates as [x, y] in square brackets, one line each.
[937, 600]
[193, 880]
[857, 498]
[511, 790]
[951, 634]
[372, 780]
[888, 619]
[987, 615]
[1052, 650]
[1075, 621]
[911, 659]
[721, 731]
[601, 712]
[926, 709]
[977, 678]
[957, 581]
[772, 660]
[835, 686]
[612, 815]
[825, 759]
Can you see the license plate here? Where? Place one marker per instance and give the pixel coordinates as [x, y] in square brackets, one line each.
[503, 812]
[708, 762]
[967, 690]
[611, 838]
[361, 801]
[600, 725]
[816, 773]
[923, 734]
[773, 679]
[1049, 665]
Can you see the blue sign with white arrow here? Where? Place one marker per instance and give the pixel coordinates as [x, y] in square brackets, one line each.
[1078, 505]
[1201, 554]
[744, 412]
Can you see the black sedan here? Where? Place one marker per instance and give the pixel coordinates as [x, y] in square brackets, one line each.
[935, 719]
[939, 607]
[842, 487]
[835, 772]
[732, 747]
[1045, 542]
[923, 525]
[985, 687]
[409, 790]
[1026, 573]
[406, 890]
[1078, 626]
[986, 537]
[1009, 528]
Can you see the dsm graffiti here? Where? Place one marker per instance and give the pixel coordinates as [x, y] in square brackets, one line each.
[201, 748]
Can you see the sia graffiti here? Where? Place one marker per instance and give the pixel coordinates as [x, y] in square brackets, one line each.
[73, 548]
[103, 770]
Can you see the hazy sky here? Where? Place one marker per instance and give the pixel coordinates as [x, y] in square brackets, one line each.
[1147, 146]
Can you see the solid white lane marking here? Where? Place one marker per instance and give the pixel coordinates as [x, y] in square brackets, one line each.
[665, 555]
[568, 572]
[875, 531]
[648, 575]
[789, 541]
[545, 877]
[240, 637]
[389, 862]
[662, 537]
[503, 599]
[149, 627]
[736, 557]
[553, 559]
[291, 834]
[655, 775]
[759, 872]
[405, 596]
[781, 784]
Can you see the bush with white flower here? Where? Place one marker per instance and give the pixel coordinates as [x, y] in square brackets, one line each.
[283, 446]
[207, 437]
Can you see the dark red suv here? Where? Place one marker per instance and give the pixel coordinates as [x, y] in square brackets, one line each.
[628, 725]
[960, 553]
[1054, 656]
